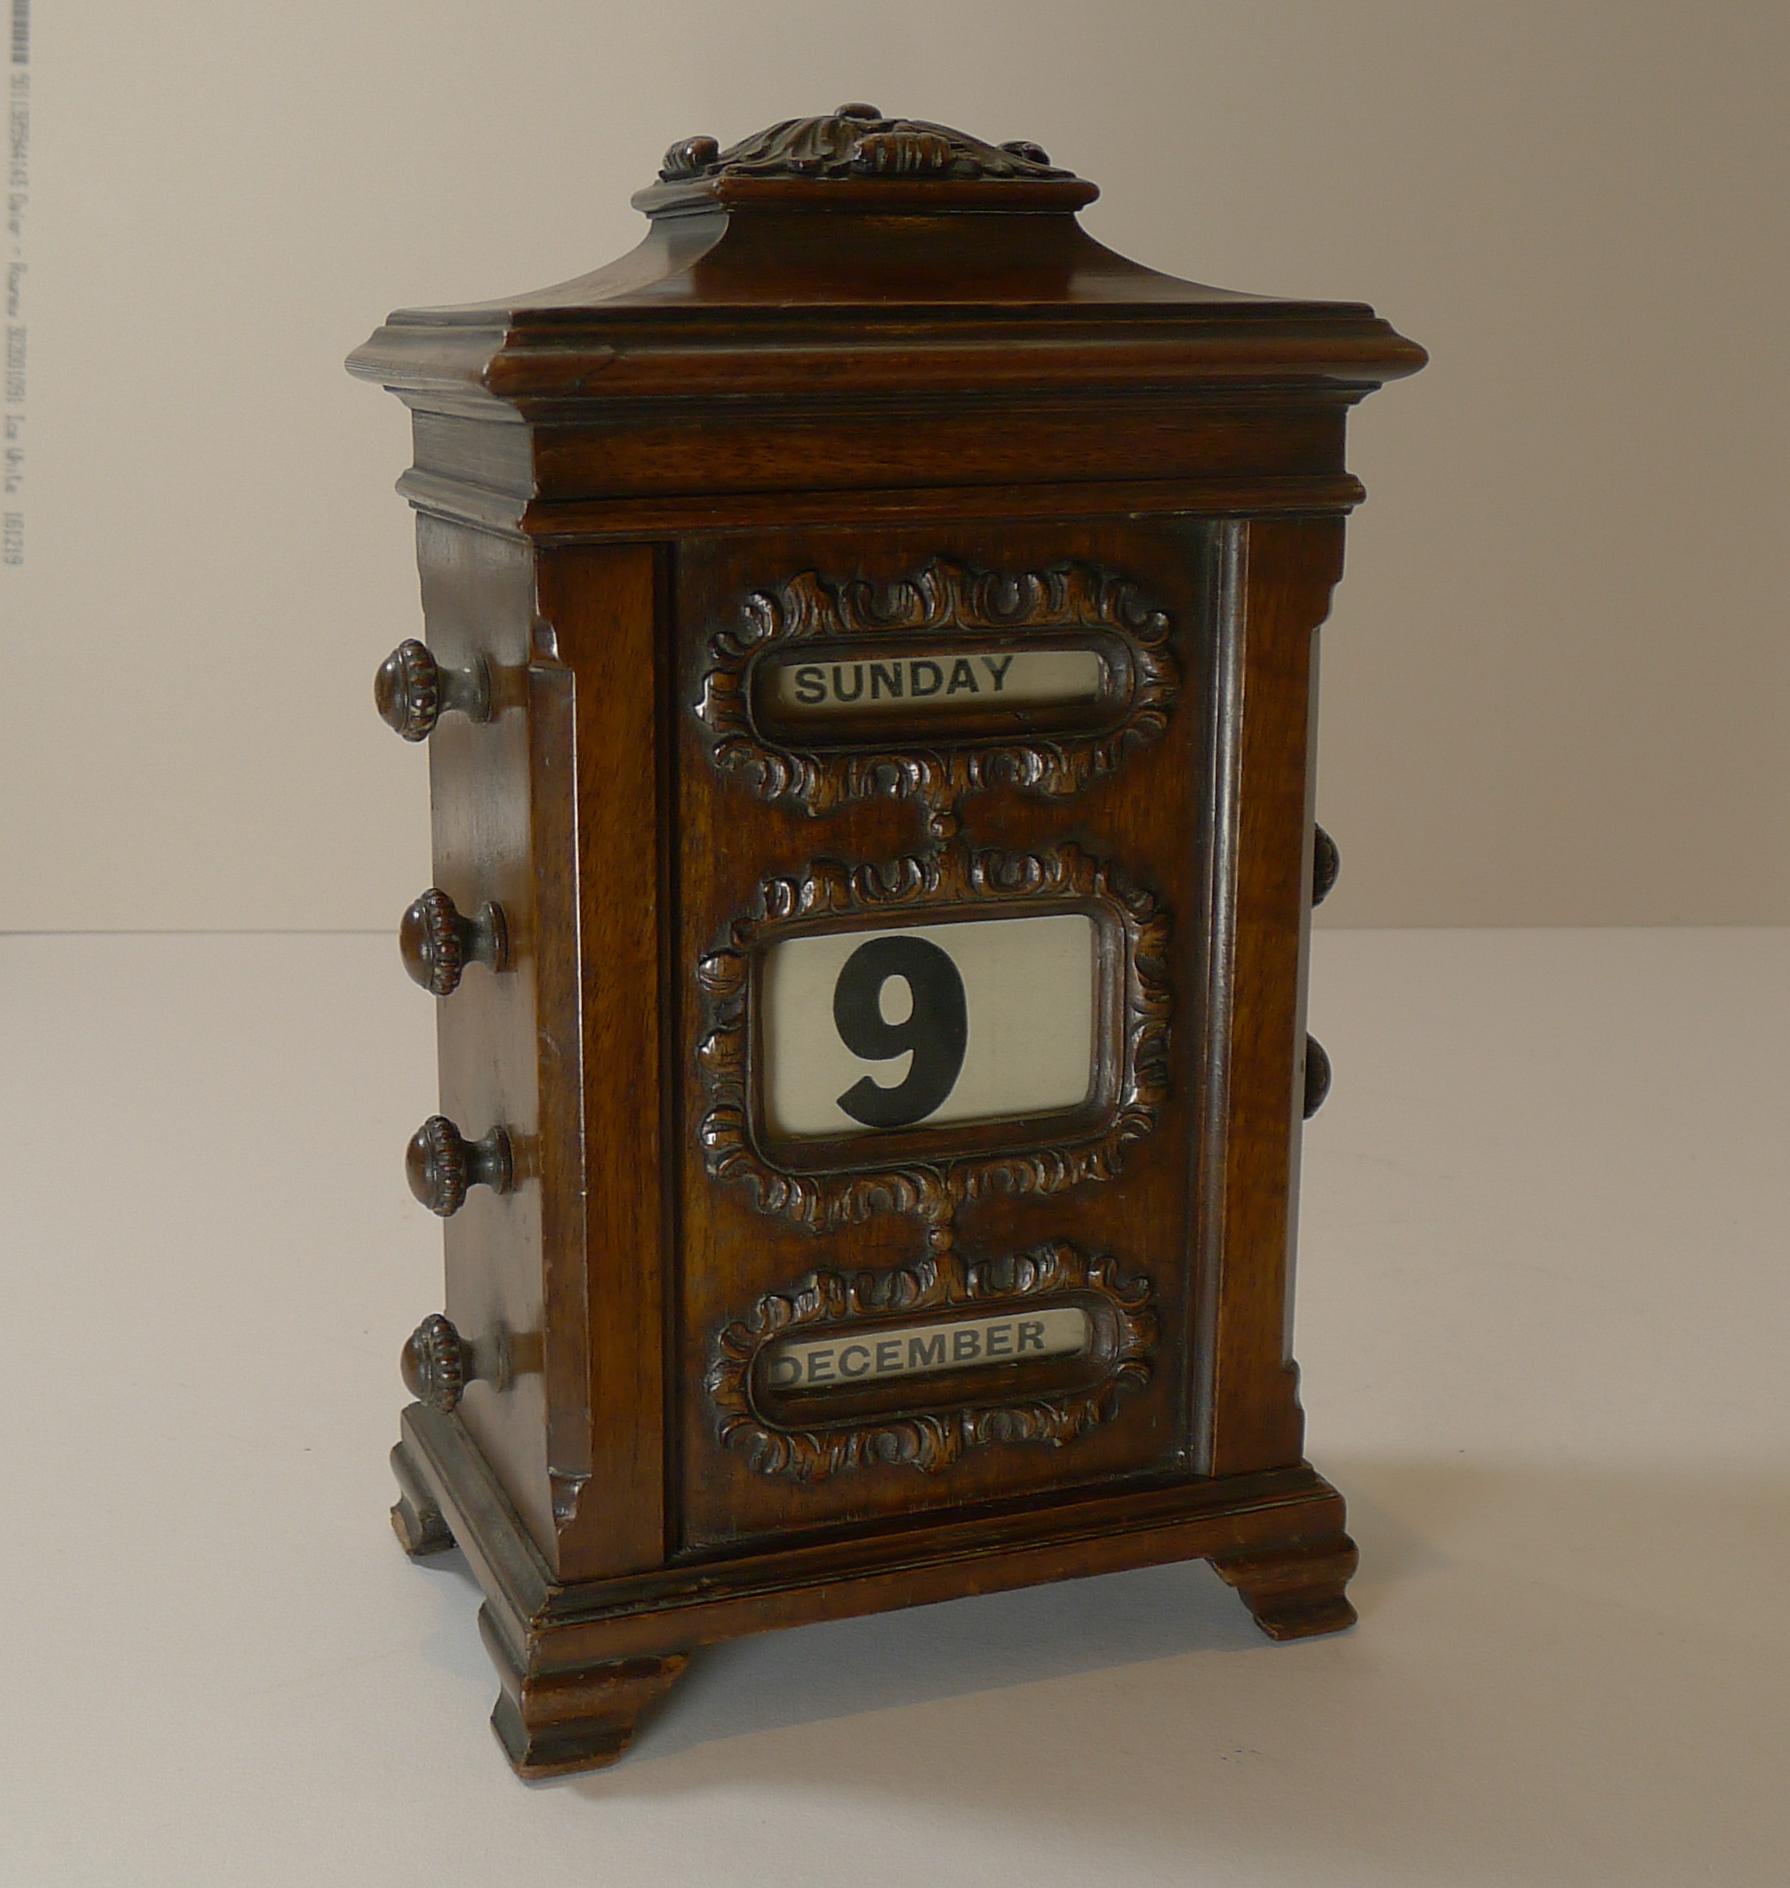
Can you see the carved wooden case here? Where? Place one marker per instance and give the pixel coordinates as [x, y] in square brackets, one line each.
[729, 554]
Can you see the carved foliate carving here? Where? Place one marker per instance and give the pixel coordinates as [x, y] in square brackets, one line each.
[807, 613]
[857, 141]
[1132, 1079]
[932, 1439]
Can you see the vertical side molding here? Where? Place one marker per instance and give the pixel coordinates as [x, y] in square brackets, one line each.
[1276, 576]
[604, 1214]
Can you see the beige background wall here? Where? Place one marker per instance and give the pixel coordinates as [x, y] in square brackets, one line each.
[1555, 680]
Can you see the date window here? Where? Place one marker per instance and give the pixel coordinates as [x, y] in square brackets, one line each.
[928, 1026]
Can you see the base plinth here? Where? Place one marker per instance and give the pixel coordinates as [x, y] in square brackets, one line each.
[580, 1661]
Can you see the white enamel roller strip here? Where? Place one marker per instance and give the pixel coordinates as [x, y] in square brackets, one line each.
[920, 1349]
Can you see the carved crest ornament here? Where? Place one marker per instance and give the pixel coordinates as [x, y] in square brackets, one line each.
[1123, 1334]
[1068, 604]
[857, 141]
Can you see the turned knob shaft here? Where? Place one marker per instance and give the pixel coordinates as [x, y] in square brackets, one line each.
[441, 1164]
[437, 943]
[434, 1364]
[412, 691]
[1317, 1075]
[1326, 862]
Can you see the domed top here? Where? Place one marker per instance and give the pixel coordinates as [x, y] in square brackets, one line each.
[857, 153]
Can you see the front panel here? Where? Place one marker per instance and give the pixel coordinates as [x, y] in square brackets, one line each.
[943, 804]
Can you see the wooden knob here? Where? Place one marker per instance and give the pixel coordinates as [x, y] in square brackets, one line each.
[437, 944]
[1317, 1076]
[412, 691]
[434, 1364]
[441, 1164]
[1326, 862]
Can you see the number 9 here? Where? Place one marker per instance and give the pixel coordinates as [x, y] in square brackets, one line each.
[937, 1030]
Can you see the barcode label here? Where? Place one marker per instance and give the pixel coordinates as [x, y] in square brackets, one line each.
[21, 32]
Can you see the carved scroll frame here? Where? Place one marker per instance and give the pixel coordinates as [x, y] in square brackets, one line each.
[1068, 604]
[834, 1184]
[1123, 1332]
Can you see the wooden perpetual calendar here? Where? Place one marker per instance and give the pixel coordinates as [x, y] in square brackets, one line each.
[868, 689]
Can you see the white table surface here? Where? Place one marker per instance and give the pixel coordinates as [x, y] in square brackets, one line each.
[1542, 1320]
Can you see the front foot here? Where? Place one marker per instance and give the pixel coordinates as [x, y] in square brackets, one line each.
[553, 1723]
[417, 1519]
[1295, 1592]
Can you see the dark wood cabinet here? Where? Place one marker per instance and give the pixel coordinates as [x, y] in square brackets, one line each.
[868, 687]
